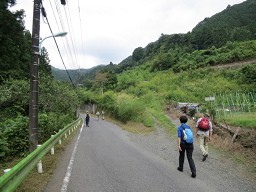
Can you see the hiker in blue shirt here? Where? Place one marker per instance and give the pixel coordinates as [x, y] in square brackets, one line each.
[186, 145]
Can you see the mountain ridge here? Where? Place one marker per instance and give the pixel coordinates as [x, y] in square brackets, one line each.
[232, 24]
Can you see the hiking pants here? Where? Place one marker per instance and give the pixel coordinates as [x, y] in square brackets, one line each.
[189, 151]
[203, 143]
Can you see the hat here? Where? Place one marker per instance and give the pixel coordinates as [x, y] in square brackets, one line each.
[207, 114]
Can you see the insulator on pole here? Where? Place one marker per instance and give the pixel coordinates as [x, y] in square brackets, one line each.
[63, 2]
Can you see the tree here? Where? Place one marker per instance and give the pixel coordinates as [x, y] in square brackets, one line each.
[111, 81]
[14, 43]
[44, 64]
[138, 54]
[249, 74]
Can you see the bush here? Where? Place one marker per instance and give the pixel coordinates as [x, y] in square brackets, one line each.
[130, 109]
[15, 132]
[108, 102]
[147, 119]
[3, 144]
[51, 123]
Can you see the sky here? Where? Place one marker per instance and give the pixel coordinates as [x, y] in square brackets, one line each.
[104, 31]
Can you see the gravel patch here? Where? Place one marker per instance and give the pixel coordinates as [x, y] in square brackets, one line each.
[217, 170]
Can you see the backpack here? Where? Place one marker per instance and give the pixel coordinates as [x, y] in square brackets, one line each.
[204, 124]
[187, 135]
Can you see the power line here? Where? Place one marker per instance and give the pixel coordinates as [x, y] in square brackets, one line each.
[69, 22]
[71, 56]
[44, 14]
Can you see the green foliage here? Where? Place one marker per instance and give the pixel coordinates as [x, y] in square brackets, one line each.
[247, 120]
[15, 132]
[249, 74]
[111, 81]
[44, 64]
[54, 114]
[129, 108]
[104, 81]
[87, 96]
[147, 119]
[53, 93]
[51, 123]
[231, 52]
[163, 61]
[3, 144]
[138, 54]
[15, 44]
[108, 102]
[236, 23]
[14, 98]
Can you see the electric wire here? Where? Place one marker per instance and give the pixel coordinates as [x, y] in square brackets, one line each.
[71, 55]
[81, 29]
[69, 46]
[69, 23]
[44, 14]
[66, 47]
[77, 66]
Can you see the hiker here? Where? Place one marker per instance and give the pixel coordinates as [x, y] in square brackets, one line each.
[98, 115]
[102, 113]
[204, 132]
[186, 145]
[87, 119]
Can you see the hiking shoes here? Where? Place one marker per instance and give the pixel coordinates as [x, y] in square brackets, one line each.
[204, 157]
[193, 175]
[180, 169]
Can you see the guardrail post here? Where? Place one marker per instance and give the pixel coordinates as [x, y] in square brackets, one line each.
[66, 136]
[6, 170]
[52, 150]
[60, 141]
[39, 165]
[69, 131]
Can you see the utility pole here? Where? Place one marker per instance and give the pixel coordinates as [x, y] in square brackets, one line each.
[34, 91]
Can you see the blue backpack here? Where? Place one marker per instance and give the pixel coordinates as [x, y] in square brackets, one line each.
[188, 135]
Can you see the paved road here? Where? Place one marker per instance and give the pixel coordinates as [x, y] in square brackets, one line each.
[104, 159]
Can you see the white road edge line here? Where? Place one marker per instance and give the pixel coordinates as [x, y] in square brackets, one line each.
[70, 166]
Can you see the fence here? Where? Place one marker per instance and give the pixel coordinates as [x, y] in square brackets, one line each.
[13, 178]
[230, 103]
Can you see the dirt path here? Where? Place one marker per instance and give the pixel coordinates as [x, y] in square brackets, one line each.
[236, 64]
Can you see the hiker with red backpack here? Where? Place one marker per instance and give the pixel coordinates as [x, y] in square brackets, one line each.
[204, 132]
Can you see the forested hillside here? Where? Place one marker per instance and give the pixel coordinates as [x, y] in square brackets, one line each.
[234, 24]
[216, 40]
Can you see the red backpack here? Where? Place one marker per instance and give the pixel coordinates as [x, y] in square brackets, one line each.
[204, 124]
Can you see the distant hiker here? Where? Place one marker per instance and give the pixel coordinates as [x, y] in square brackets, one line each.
[87, 119]
[102, 114]
[98, 114]
[185, 143]
[204, 132]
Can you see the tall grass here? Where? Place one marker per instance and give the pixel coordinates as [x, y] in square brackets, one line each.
[247, 120]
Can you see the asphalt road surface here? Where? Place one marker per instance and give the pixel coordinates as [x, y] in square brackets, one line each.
[102, 158]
